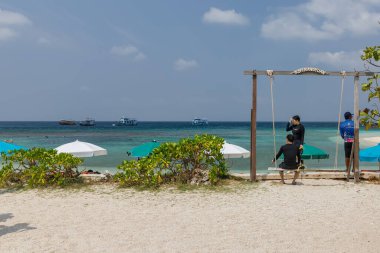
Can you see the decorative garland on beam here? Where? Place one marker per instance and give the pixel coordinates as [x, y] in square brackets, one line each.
[307, 70]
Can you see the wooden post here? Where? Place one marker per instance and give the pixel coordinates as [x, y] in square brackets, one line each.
[348, 171]
[253, 129]
[356, 138]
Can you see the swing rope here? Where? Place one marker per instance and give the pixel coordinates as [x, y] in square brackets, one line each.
[343, 74]
[271, 78]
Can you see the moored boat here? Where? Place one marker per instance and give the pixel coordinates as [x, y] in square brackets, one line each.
[200, 122]
[67, 122]
[124, 121]
[87, 122]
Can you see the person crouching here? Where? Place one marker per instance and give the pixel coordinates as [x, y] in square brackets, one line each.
[292, 158]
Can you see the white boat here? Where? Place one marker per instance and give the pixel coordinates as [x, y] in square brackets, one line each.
[126, 122]
[87, 122]
[200, 122]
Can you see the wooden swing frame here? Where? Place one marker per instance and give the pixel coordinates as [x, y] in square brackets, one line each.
[305, 71]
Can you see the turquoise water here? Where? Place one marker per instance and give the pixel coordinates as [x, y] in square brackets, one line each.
[118, 140]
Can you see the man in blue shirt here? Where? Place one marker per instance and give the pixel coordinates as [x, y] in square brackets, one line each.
[347, 131]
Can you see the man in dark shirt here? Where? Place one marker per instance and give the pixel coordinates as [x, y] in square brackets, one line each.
[292, 158]
[298, 130]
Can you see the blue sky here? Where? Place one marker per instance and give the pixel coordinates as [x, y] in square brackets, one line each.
[175, 60]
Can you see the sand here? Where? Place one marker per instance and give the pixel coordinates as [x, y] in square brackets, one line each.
[314, 216]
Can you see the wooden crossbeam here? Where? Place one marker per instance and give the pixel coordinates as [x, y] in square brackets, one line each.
[328, 73]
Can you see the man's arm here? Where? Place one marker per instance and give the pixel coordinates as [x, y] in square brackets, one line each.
[302, 134]
[280, 152]
[289, 127]
[341, 129]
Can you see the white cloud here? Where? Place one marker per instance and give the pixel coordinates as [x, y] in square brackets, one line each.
[324, 20]
[128, 51]
[291, 26]
[43, 41]
[12, 18]
[140, 56]
[6, 33]
[8, 21]
[226, 17]
[182, 64]
[341, 60]
[124, 50]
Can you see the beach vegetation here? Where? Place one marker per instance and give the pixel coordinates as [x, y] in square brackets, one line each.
[370, 117]
[38, 167]
[195, 161]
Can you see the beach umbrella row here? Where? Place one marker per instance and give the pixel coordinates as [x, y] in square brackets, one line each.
[85, 149]
[228, 150]
[76, 148]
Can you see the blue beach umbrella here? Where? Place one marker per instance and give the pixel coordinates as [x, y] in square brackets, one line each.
[144, 149]
[5, 147]
[371, 154]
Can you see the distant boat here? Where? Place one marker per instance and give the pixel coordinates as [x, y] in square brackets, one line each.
[87, 122]
[126, 122]
[199, 122]
[67, 122]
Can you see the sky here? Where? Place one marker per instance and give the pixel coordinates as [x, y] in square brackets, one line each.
[173, 60]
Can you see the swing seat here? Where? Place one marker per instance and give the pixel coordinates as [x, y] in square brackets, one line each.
[301, 167]
[276, 169]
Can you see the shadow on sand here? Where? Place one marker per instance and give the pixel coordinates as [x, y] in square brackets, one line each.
[324, 184]
[5, 216]
[305, 183]
[5, 190]
[19, 227]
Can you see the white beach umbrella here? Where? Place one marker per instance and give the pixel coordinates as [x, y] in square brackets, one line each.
[234, 151]
[81, 149]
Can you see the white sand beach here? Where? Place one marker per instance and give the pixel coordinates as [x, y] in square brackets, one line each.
[314, 216]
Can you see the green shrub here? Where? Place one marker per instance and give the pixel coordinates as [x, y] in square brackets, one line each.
[38, 167]
[191, 160]
[370, 117]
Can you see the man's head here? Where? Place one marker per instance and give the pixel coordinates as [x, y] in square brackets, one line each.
[296, 119]
[289, 139]
[348, 115]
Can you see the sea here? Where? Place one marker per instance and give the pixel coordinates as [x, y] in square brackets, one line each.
[118, 140]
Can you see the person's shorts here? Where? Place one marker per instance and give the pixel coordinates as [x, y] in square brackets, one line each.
[297, 142]
[286, 167]
[347, 149]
